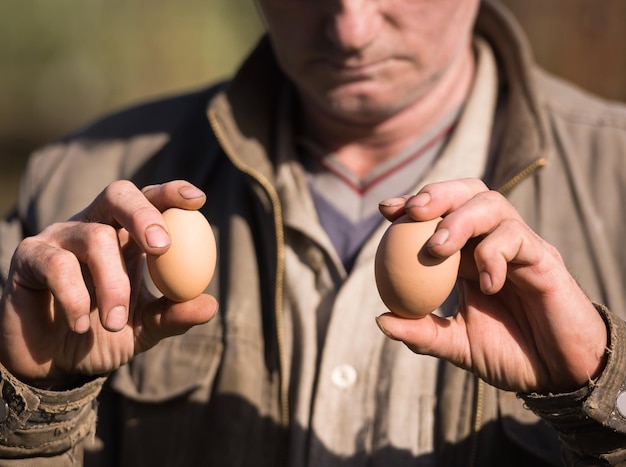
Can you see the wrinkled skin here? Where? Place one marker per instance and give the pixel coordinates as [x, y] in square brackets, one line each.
[523, 323]
[75, 302]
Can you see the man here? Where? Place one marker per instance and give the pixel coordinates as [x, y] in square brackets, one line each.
[345, 102]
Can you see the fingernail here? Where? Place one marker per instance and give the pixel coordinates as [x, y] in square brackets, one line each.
[191, 192]
[438, 238]
[486, 284]
[382, 328]
[82, 324]
[117, 318]
[418, 201]
[157, 237]
[390, 202]
[146, 189]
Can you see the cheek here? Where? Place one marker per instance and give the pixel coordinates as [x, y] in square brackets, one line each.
[293, 42]
[289, 23]
[436, 30]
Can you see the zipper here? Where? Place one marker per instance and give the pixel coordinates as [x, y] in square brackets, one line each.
[280, 255]
[479, 398]
[528, 170]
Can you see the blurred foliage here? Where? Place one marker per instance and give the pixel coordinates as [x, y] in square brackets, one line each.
[67, 60]
[64, 62]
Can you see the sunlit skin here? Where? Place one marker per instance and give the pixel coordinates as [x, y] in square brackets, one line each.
[523, 323]
[52, 326]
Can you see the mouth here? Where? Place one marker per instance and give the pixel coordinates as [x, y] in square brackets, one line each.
[353, 69]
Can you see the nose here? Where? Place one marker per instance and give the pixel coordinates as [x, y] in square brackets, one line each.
[354, 24]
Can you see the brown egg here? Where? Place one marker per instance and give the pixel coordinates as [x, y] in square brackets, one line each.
[411, 282]
[185, 270]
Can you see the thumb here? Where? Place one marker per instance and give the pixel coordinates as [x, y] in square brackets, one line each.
[428, 335]
[164, 318]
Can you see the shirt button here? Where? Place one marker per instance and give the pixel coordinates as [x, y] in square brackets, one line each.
[343, 376]
[620, 403]
[4, 410]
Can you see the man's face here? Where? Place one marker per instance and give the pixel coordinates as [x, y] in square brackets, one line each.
[364, 60]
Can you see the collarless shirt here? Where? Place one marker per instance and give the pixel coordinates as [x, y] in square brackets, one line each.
[353, 392]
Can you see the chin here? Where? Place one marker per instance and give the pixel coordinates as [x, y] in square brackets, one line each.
[363, 115]
[363, 108]
[372, 99]
[363, 102]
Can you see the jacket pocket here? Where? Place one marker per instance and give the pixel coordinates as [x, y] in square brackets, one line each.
[173, 368]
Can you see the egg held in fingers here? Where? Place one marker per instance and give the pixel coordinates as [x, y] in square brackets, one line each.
[185, 270]
[411, 282]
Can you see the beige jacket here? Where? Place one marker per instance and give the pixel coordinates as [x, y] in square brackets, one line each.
[216, 395]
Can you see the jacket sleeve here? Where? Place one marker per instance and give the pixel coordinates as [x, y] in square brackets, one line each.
[592, 421]
[37, 427]
[48, 424]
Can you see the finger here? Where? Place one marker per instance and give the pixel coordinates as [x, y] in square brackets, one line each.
[438, 199]
[393, 208]
[40, 266]
[477, 216]
[508, 247]
[163, 318]
[122, 204]
[514, 252]
[177, 193]
[429, 335]
[97, 246]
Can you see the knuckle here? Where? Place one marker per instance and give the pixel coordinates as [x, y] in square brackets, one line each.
[59, 261]
[145, 210]
[514, 225]
[491, 198]
[168, 188]
[26, 245]
[553, 251]
[145, 214]
[119, 186]
[97, 234]
[99, 240]
[474, 185]
[117, 189]
[118, 285]
[76, 300]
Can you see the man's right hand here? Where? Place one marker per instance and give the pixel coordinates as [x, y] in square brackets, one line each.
[75, 302]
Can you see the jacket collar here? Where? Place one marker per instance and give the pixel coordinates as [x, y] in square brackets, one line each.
[522, 141]
[245, 112]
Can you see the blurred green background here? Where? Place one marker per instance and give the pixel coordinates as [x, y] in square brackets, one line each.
[65, 62]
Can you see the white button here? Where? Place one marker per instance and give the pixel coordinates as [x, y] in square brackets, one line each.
[343, 376]
[620, 403]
